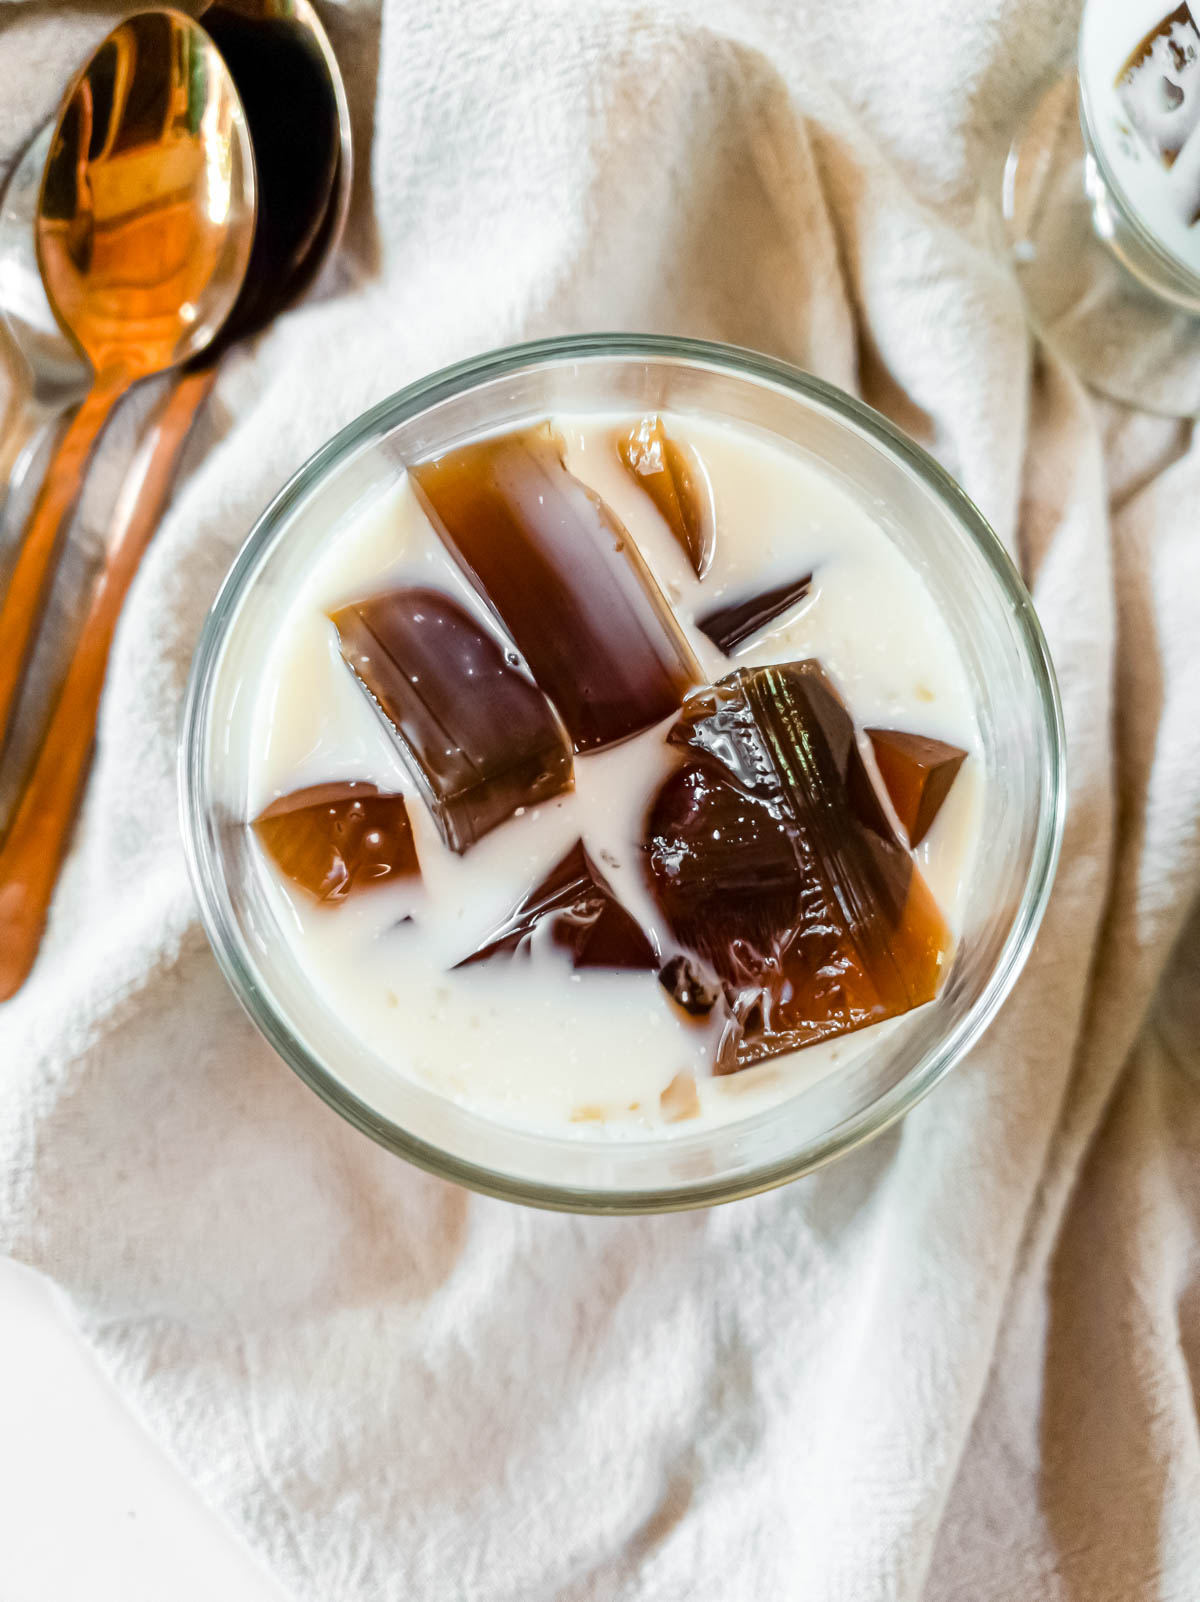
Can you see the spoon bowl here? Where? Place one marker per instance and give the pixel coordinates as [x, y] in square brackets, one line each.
[147, 203]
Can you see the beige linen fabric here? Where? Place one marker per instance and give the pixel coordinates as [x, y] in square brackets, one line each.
[960, 1364]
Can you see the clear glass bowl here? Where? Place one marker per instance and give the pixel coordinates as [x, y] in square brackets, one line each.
[939, 531]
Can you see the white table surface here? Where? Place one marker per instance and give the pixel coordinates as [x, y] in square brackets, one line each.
[91, 1508]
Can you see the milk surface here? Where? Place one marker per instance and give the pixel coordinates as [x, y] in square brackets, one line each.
[539, 1046]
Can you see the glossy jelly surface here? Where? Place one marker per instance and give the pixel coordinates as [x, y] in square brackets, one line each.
[674, 479]
[917, 772]
[566, 581]
[574, 910]
[773, 861]
[479, 737]
[335, 839]
[731, 625]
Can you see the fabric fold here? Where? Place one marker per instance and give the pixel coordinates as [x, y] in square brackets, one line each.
[962, 1361]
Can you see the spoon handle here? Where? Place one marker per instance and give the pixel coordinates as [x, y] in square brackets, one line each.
[148, 483]
[36, 844]
[21, 606]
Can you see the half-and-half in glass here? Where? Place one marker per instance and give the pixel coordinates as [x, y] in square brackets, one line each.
[622, 773]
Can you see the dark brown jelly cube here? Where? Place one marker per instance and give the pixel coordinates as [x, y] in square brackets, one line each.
[573, 908]
[917, 772]
[335, 839]
[566, 581]
[690, 986]
[772, 858]
[730, 626]
[481, 740]
[722, 864]
[779, 730]
[672, 478]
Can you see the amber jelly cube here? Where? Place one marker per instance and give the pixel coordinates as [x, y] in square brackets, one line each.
[918, 772]
[671, 476]
[336, 839]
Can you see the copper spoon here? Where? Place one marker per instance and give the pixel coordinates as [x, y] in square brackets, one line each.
[143, 233]
[295, 102]
[282, 62]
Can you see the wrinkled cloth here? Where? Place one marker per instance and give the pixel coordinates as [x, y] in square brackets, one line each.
[961, 1363]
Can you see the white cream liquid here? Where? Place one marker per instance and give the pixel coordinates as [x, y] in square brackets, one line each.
[538, 1045]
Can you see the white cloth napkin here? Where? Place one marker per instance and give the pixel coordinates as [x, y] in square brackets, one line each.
[959, 1364]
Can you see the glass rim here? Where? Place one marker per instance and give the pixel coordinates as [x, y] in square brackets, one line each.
[1164, 258]
[230, 948]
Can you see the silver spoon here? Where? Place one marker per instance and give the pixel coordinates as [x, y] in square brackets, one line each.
[49, 376]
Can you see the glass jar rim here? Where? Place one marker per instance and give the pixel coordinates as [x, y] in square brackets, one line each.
[230, 948]
[1178, 284]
